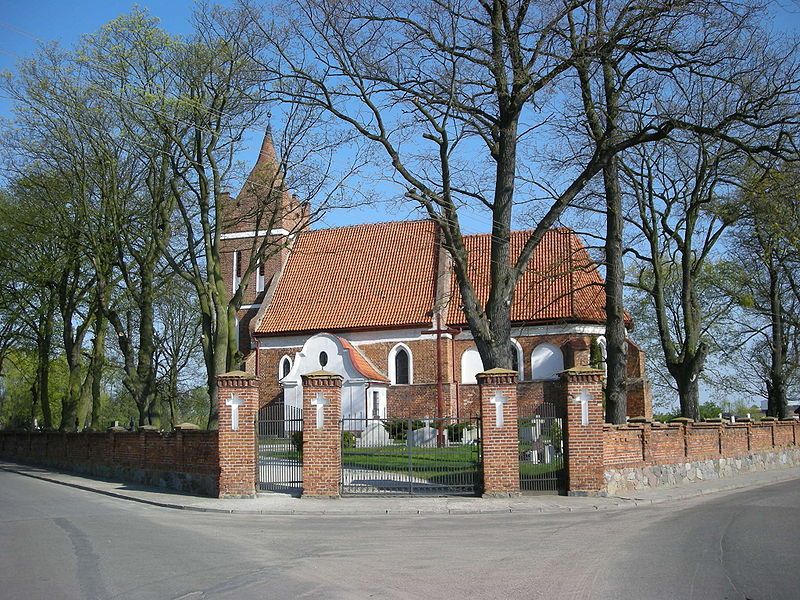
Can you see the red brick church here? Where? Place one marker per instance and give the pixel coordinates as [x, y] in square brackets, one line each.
[364, 301]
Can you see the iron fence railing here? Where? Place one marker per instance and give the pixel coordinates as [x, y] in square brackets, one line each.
[280, 460]
[542, 465]
[423, 456]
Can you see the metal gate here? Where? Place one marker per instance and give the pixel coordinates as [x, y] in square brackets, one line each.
[280, 441]
[541, 449]
[436, 457]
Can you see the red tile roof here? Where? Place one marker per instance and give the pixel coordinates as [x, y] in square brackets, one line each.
[362, 364]
[561, 283]
[383, 275]
[360, 277]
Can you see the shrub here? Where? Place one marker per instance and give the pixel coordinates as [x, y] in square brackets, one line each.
[455, 432]
[297, 441]
[398, 428]
[348, 440]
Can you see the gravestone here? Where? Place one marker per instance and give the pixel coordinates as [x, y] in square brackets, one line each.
[374, 435]
[425, 436]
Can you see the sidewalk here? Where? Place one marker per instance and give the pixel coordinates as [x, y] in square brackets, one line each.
[280, 504]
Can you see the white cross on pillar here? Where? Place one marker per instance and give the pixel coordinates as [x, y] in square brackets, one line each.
[498, 400]
[583, 399]
[234, 402]
[320, 402]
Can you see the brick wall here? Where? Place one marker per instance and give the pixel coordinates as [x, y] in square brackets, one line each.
[583, 393]
[237, 438]
[322, 447]
[183, 460]
[499, 437]
[640, 455]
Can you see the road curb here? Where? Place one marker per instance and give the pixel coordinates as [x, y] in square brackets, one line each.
[623, 502]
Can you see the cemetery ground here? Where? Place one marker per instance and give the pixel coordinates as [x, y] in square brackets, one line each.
[61, 542]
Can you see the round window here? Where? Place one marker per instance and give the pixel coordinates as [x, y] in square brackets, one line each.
[323, 359]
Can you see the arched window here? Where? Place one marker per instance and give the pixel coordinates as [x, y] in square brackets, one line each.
[284, 367]
[547, 362]
[471, 365]
[602, 345]
[401, 365]
[516, 360]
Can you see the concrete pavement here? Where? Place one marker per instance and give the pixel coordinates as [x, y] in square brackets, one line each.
[282, 504]
[59, 542]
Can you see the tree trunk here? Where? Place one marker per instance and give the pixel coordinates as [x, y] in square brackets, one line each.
[98, 363]
[69, 406]
[776, 385]
[145, 363]
[44, 344]
[616, 345]
[689, 393]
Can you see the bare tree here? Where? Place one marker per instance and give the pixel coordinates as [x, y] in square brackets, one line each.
[453, 92]
[649, 74]
[761, 277]
[683, 199]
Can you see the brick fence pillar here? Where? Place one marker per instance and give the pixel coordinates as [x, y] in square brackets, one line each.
[583, 388]
[322, 438]
[499, 432]
[237, 393]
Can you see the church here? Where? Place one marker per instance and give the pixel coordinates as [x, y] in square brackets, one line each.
[378, 304]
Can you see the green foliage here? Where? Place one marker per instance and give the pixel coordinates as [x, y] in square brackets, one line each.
[15, 390]
[710, 410]
[348, 440]
[455, 431]
[398, 428]
[595, 355]
[297, 442]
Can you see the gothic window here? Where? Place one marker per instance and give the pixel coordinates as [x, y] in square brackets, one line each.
[471, 365]
[237, 269]
[284, 367]
[516, 360]
[260, 277]
[547, 361]
[400, 365]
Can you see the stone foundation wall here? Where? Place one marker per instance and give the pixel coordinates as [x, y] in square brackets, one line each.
[653, 476]
[642, 455]
[187, 461]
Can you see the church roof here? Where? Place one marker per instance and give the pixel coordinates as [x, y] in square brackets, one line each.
[381, 276]
[368, 276]
[560, 284]
[362, 364]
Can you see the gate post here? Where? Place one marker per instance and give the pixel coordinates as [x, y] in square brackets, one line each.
[499, 432]
[237, 394]
[322, 438]
[583, 392]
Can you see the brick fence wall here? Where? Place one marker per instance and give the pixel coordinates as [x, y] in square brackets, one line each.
[640, 455]
[183, 460]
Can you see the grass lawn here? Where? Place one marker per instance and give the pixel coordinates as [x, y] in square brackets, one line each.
[531, 470]
[433, 464]
[428, 463]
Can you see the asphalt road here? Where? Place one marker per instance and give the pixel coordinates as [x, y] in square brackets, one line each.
[58, 542]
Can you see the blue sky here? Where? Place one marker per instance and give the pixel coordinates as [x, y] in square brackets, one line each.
[25, 23]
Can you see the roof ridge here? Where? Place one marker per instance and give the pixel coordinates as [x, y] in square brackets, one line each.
[560, 229]
[354, 225]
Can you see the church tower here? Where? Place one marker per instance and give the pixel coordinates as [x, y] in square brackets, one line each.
[258, 228]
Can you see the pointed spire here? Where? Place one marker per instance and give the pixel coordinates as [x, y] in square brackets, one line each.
[267, 155]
